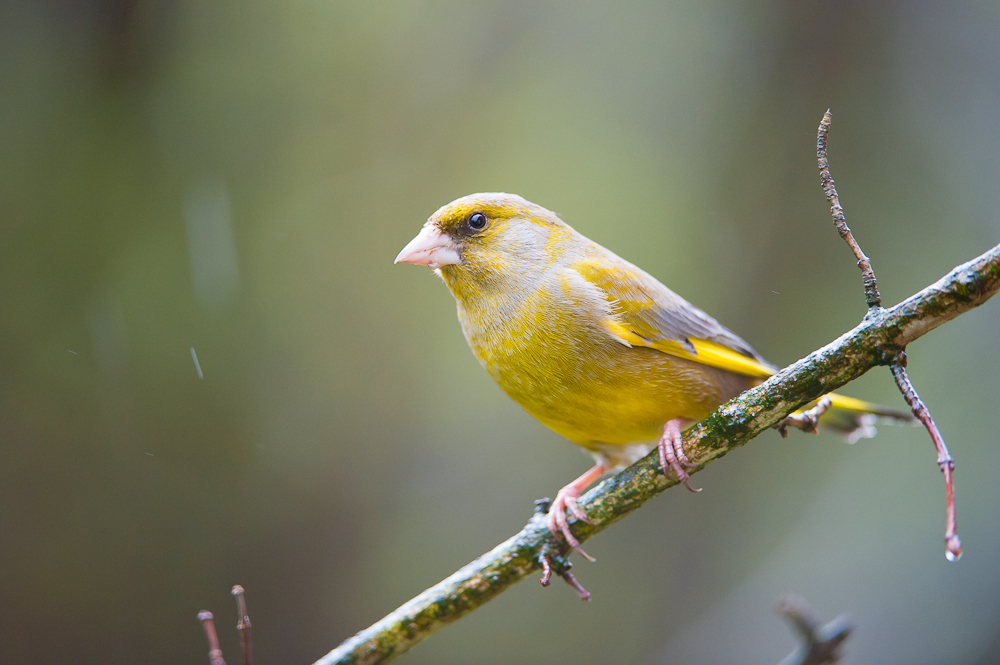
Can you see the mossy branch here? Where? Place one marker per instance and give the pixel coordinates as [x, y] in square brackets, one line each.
[876, 341]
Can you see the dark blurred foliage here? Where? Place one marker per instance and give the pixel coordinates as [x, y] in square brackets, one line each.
[237, 177]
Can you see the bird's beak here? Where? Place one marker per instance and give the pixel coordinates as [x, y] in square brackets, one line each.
[430, 248]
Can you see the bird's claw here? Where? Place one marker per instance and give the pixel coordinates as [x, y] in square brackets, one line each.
[558, 523]
[672, 455]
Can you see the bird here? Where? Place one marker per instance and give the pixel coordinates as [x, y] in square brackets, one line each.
[592, 346]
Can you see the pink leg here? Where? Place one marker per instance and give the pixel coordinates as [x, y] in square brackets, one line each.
[566, 499]
[672, 452]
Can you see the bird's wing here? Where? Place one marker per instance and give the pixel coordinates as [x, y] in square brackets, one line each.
[643, 312]
[646, 313]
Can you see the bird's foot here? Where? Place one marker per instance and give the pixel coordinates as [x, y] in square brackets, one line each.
[566, 500]
[672, 455]
[558, 522]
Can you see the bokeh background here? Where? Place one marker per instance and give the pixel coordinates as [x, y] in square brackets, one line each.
[237, 177]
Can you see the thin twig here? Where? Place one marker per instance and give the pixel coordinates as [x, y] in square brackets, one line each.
[559, 565]
[572, 581]
[806, 420]
[214, 652]
[867, 274]
[820, 644]
[546, 570]
[868, 345]
[243, 626]
[952, 543]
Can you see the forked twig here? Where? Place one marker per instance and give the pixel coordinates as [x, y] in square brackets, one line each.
[820, 644]
[561, 568]
[897, 363]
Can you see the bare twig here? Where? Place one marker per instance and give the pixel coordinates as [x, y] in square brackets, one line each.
[872, 343]
[214, 652]
[867, 274]
[953, 546]
[571, 580]
[560, 565]
[820, 644]
[952, 543]
[546, 570]
[243, 626]
[806, 420]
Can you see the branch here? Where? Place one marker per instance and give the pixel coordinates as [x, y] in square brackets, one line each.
[876, 341]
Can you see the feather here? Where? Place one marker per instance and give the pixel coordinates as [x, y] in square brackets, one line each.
[646, 313]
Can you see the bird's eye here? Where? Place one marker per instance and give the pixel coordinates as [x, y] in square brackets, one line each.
[477, 221]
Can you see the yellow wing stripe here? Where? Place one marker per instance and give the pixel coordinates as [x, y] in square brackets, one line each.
[704, 352]
[722, 357]
[717, 355]
[852, 404]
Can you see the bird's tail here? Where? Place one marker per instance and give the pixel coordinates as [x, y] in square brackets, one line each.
[856, 419]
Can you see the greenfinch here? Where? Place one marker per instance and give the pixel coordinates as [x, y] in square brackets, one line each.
[589, 344]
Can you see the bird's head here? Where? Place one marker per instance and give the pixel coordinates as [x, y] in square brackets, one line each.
[483, 242]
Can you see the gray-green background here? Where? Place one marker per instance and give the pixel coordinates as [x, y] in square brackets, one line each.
[237, 178]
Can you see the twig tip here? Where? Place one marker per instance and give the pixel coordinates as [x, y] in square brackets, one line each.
[546, 570]
[572, 581]
[953, 548]
[214, 652]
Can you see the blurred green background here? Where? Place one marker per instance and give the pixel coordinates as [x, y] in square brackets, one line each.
[236, 178]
